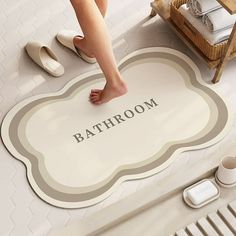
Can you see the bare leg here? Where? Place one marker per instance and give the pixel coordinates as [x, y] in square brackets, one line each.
[81, 42]
[102, 5]
[96, 34]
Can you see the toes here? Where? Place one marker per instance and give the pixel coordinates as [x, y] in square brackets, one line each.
[95, 93]
[94, 98]
[97, 102]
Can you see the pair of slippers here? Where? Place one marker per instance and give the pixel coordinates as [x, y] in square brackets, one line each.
[43, 56]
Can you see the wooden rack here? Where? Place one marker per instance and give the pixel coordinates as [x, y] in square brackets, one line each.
[162, 8]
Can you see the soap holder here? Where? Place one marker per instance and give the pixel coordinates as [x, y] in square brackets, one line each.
[191, 204]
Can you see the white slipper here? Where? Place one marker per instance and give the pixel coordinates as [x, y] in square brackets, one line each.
[66, 38]
[45, 58]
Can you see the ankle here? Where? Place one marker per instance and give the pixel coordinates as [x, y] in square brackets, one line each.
[114, 78]
[118, 85]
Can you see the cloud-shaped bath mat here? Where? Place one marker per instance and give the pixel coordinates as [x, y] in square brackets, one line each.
[76, 153]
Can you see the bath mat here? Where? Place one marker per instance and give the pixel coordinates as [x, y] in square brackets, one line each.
[76, 153]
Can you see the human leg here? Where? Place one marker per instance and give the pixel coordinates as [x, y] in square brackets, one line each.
[102, 6]
[97, 37]
[81, 42]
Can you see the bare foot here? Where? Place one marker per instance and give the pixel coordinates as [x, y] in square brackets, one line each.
[98, 96]
[81, 44]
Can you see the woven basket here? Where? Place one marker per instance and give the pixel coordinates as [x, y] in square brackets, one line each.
[213, 52]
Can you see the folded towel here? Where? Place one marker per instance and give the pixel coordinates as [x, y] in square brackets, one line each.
[218, 20]
[202, 7]
[212, 38]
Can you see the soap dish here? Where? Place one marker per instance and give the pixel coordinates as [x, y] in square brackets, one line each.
[191, 204]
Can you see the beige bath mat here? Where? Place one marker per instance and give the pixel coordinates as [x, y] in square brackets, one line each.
[76, 154]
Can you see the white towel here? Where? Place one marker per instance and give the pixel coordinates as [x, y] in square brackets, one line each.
[212, 38]
[202, 7]
[218, 20]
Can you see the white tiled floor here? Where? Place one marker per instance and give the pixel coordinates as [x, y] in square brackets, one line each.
[22, 213]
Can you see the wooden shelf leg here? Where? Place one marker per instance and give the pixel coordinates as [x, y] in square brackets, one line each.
[218, 72]
[224, 59]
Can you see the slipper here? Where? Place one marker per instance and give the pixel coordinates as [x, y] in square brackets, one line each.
[66, 38]
[45, 58]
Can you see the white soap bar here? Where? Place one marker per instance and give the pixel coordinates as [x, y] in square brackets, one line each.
[202, 192]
